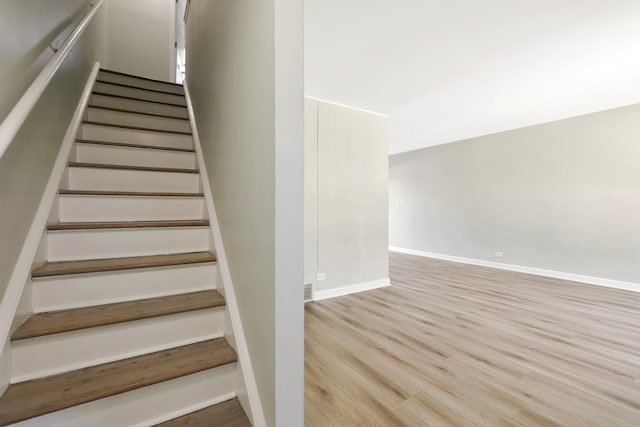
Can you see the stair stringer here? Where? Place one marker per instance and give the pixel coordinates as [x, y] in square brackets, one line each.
[16, 303]
[247, 388]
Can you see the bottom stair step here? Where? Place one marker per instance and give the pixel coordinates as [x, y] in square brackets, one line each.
[225, 414]
[42, 396]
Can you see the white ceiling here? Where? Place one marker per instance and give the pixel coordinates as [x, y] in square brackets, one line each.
[445, 70]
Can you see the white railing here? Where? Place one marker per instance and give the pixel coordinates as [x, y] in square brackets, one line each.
[15, 119]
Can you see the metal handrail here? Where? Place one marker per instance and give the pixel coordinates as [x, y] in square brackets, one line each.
[16, 118]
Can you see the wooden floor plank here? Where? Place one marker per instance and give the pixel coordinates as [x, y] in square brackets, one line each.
[140, 128]
[140, 113]
[454, 344]
[225, 414]
[54, 322]
[322, 397]
[313, 416]
[138, 99]
[37, 397]
[133, 145]
[126, 193]
[59, 268]
[131, 168]
[66, 226]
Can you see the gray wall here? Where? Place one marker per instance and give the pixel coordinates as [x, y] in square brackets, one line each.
[562, 196]
[245, 76]
[26, 29]
[346, 196]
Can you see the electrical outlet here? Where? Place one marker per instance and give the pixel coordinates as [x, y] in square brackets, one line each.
[322, 276]
[499, 254]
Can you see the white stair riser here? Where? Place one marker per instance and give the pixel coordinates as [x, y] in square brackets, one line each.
[138, 82]
[140, 120]
[117, 208]
[135, 105]
[149, 405]
[112, 155]
[114, 243]
[152, 139]
[131, 180]
[83, 290]
[139, 93]
[93, 346]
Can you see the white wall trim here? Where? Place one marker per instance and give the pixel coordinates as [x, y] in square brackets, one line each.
[255, 412]
[609, 283]
[347, 106]
[351, 289]
[24, 264]
[5, 366]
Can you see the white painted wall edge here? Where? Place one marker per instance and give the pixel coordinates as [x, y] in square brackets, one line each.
[351, 289]
[23, 267]
[255, 412]
[5, 366]
[599, 281]
[347, 106]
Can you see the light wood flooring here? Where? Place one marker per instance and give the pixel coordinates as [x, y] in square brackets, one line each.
[452, 344]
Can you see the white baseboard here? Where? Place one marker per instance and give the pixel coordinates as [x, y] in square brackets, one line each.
[22, 269]
[247, 382]
[350, 289]
[609, 283]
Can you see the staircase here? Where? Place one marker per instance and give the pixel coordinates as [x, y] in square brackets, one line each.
[128, 325]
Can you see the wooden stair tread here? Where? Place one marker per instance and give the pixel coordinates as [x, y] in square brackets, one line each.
[131, 168]
[60, 268]
[56, 322]
[137, 99]
[140, 77]
[126, 193]
[164, 92]
[114, 125]
[121, 110]
[65, 226]
[132, 145]
[37, 397]
[224, 414]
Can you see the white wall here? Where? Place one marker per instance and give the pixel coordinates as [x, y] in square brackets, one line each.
[245, 76]
[562, 196]
[347, 174]
[141, 38]
[26, 30]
